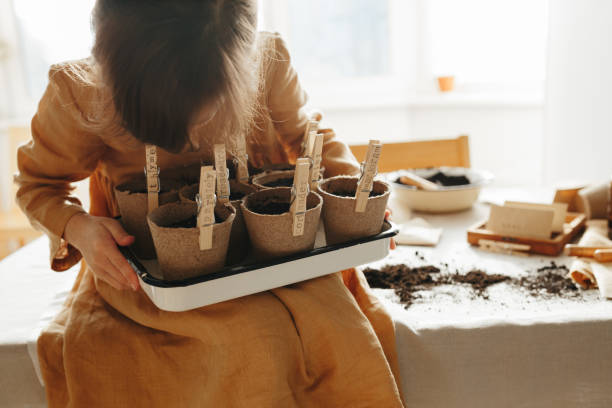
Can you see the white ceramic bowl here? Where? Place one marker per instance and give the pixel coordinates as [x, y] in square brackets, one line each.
[447, 199]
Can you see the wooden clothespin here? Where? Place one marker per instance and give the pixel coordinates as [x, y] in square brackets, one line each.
[242, 161]
[206, 206]
[152, 175]
[308, 144]
[317, 150]
[223, 187]
[299, 194]
[369, 169]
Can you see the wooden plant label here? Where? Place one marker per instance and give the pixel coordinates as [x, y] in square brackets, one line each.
[242, 160]
[223, 187]
[206, 206]
[366, 181]
[152, 173]
[317, 151]
[300, 189]
[521, 222]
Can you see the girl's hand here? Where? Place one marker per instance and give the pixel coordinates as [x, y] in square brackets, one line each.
[388, 218]
[97, 239]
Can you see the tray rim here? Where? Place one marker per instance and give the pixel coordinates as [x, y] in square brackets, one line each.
[227, 271]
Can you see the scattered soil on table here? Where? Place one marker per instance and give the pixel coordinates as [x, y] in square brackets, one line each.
[191, 222]
[346, 193]
[478, 279]
[405, 281]
[283, 182]
[550, 279]
[269, 207]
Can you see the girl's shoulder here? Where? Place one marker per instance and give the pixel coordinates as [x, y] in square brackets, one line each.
[75, 89]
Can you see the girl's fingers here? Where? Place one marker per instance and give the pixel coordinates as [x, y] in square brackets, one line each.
[392, 244]
[106, 277]
[122, 265]
[109, 269]
[118, 233]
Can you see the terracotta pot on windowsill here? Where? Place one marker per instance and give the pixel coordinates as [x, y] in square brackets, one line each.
[446, 83]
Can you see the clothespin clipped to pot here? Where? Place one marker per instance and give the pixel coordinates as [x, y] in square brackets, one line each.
[241, 161]
[315, 156]
[299, 194]
[152, 175]
[206, 206]
[308, 143]
[223, 187]
[369, 169]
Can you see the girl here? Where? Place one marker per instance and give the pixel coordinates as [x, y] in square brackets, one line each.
[183, 75]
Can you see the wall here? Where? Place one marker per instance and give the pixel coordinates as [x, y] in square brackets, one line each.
[578, 142]
[504, 139]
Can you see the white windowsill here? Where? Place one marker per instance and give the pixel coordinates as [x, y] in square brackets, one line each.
[453, 99]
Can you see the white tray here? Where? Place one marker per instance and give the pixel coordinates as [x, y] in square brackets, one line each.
[248, 278]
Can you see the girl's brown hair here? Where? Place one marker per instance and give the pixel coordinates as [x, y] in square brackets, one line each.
[165, 60]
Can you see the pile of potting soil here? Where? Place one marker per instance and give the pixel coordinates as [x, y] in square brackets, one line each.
[549, 280]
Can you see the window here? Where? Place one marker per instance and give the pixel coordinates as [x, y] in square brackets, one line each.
[499, 43]
[359, 52]
[51, 32]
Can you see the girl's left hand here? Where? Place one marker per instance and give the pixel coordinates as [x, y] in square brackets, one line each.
[388, 217]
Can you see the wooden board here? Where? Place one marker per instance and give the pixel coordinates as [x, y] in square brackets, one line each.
[574, 224]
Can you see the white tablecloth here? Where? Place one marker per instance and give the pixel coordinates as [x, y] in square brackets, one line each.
[455, 350]
[511, 350]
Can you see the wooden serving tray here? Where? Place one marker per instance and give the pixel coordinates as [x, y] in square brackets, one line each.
[574, 224]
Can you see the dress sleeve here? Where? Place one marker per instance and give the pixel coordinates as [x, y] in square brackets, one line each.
[286, 101]
[60, 152]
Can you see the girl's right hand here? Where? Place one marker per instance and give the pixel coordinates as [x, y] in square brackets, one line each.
[97, 239]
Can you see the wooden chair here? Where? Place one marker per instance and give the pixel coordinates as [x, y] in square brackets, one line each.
[15, 229]
[419, 154]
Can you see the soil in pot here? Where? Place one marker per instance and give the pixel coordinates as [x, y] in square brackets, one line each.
[270, 224]
[342, 223]
[177, 241]
[133, 205]
[239, 239]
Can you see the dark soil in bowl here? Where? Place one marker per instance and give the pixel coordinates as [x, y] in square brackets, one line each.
[270, 207]
[191, 222]
[287, 182]
[445, 180]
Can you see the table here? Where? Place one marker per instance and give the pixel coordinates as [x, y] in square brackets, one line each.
[512, 350]
[454, 350]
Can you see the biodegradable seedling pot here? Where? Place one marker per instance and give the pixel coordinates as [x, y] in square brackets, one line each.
[176, 238]
[270, 224]
[132, 201]
[272, 179]
[342, 223]
[276, 178]
[239, 237]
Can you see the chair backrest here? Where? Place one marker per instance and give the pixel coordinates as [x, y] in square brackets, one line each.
[420, 154]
